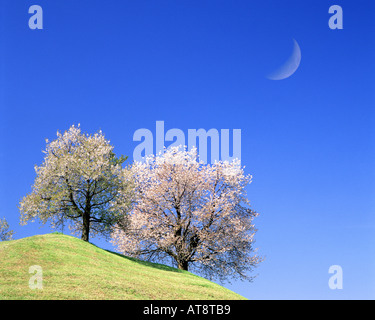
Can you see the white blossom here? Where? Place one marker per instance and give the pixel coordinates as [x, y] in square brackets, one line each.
[81, 182]
[196, 215]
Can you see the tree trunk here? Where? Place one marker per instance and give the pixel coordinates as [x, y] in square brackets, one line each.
[85, 226]
[183, 265]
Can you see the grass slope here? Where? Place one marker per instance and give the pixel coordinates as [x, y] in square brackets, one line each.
[74, 269]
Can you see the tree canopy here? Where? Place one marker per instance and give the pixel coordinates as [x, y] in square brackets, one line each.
[194, 214]
[5, 233]
[170, 207]
[82, 183]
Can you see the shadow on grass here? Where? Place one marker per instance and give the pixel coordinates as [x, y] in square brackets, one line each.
[147, 263]
[141, 262]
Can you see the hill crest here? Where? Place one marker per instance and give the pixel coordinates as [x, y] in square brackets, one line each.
[74, 269]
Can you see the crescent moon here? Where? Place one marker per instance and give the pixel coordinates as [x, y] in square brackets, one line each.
[290, 66]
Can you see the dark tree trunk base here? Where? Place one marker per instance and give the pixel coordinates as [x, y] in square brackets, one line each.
[85, 227]
[183, 265]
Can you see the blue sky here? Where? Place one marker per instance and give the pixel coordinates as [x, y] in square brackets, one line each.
[307, 140]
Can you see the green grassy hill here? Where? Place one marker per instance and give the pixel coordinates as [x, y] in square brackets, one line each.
[74, 269]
